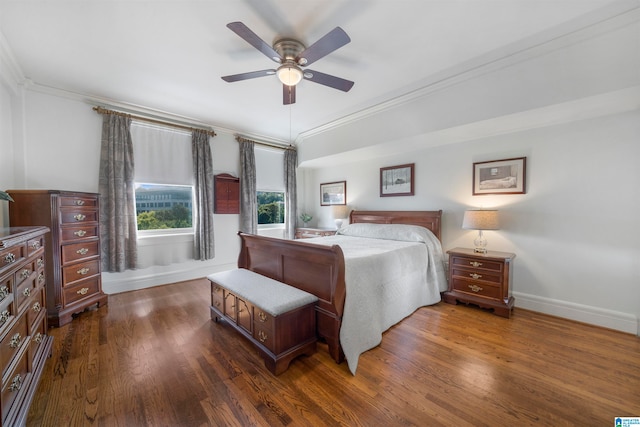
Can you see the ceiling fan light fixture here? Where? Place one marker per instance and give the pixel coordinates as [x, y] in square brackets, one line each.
[289, 75]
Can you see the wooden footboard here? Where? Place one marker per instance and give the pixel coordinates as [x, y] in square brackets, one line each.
[313, 268]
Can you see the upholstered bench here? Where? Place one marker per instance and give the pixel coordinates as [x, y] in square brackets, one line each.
[279, 319]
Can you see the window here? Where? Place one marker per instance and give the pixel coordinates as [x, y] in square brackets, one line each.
[270, 207]
[164, 207]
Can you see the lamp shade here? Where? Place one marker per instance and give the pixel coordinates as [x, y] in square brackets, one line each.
[481, 219]
[339, 211]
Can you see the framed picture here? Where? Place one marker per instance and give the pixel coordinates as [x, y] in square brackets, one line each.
[333, 193]
[397, 180]
[506, 176]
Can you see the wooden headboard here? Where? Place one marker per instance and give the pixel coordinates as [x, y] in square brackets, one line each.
[427, 219]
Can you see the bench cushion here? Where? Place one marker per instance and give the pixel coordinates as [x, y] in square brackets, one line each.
[270, 295]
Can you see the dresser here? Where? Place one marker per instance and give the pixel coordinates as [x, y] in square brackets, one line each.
[73, 250]
[24, 343]
[481, 279]
[306, 232]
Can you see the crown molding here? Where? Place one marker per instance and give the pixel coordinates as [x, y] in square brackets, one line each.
[615, 16]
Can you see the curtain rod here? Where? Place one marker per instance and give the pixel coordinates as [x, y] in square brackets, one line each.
[281, 147]
[101, 110]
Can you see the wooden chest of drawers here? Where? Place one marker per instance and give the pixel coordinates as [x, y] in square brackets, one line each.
[73, 251]
[481, 279]
[24, 344]
[306, 232]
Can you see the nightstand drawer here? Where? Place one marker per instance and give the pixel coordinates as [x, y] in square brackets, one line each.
[475, 263]
[473, 274]
[476, 288]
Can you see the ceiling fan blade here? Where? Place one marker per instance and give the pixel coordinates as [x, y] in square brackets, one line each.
[331, 41]
[288, 94]
[252, 38]
[247, 76]
[328, 80]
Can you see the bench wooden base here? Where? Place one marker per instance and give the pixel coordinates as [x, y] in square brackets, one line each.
[280, 338]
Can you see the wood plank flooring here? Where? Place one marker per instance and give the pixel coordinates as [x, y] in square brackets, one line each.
[154, 358]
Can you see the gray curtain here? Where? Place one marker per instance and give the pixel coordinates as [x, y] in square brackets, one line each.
[291, 197]
[117, 195]
[248, 195]
[204, 247]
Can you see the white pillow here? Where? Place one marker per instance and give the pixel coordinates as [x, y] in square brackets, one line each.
[403, 232]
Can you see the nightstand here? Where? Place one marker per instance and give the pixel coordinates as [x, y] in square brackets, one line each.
[481, 279]
[306, 232]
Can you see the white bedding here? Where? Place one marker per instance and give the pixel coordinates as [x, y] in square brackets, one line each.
[388, 275]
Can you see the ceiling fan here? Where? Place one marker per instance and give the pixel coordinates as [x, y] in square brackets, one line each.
[292, 55]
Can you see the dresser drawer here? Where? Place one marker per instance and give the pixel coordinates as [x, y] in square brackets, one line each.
[81, 290]
[262, 319]
[475, 263]
[217, 297]
[245, 317]
[16, 381]
[36, 306]
[78, 251]
[476, 274]
[83, 270]
[69, 233]
[27, 288]
[6, 291]
[11, 256]
[79, 201]
[13, 341]
[476, 288]
[34, 245]
[229, 305]
[78, 216]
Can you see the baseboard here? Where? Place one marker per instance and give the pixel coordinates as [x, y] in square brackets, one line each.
[619, 321]
[131, 280]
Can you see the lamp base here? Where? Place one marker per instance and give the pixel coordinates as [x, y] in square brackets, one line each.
[480, 250]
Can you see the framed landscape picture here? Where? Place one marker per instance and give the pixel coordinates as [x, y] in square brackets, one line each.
[506, 176]
[333, 193]
[397, 180]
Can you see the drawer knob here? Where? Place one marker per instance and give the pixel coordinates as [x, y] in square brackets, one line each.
[38, 338]
[475, 288]
[4, 291]
[25, 273]
[15, 341]
[82, 251]
[83, 271]
[36, 307]
[262, 336]
[4, 316]
[475, 276]
[79, 217]
[82, 291]
[80, 233]
[9, 258]
[262, 317]
[40, 262]
[475, 263]
[35, 245]
[78, 202]
[27, 292]
[16, 383]
[217, 303]
[40, 277]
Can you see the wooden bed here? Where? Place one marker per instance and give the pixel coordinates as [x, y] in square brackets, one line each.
[320, 270]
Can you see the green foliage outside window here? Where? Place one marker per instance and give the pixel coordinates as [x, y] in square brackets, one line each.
[176, 217]
[270, 207]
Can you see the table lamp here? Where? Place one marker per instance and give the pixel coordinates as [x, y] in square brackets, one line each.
[480, 219]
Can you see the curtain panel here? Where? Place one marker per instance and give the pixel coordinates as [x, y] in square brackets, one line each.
[204, 246]
[248, 195]
[117, 195]
[291, 197]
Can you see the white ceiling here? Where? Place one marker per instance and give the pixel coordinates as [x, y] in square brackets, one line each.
[168, 56]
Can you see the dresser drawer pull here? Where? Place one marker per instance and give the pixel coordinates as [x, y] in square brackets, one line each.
[80, 233]
[475, 263]
[9, 258]
[35, 245]
[36, 307]
[82, 291]
[25, 273]
[78, 202]
[475, 288]
[38, 338]
[16, 383]
[475, 276]
[79, 217]
[4, 316]
[4, 291]
[262, 336]
[40, 262]
[27, 292]
[82, 251]
[262, 317]
[216, 303]
[83, 271]
[15, 341]
[40, 277]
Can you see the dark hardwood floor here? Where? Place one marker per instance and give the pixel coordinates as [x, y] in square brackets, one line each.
[154, 358]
